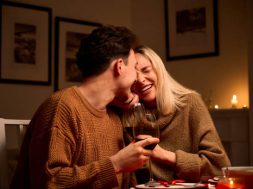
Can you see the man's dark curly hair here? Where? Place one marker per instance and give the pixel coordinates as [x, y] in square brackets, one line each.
[103, 45]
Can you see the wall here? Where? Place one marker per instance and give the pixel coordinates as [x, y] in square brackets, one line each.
[220, 76]
[224, 75]
[250, 55]
[20, 101]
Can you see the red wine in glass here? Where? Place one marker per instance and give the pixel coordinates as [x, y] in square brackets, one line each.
[148, 147]
[145, 126]
[129, 131]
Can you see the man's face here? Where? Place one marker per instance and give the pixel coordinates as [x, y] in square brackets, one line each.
[128, 77]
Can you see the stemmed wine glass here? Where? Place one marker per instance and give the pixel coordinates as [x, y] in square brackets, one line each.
[144, 126]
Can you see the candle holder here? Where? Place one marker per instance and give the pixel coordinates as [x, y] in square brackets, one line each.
[231, 183]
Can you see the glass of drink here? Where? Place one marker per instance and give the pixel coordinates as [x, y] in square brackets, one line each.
[144, 126]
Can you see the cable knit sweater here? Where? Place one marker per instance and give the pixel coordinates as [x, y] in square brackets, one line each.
[68, 145]
[191, 134]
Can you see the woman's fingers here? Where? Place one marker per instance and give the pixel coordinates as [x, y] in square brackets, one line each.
[148, 141]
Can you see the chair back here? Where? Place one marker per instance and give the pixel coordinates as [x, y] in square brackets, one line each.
[10, 143]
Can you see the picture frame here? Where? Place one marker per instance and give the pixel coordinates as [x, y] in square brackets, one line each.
[69, 33]
[25, 43]
[191, 29]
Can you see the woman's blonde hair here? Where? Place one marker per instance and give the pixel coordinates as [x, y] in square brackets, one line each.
[170, 95]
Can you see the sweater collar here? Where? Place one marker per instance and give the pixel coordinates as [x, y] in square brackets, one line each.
[163, 120]
[94, 111]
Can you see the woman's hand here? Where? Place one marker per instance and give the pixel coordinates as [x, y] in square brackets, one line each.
[163, 155]
[126, 103]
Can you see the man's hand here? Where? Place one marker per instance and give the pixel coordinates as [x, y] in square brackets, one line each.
[133, 156]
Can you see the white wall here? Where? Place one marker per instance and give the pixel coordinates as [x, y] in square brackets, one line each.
[224, 75]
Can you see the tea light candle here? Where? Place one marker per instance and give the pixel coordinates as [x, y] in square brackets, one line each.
[230, 183]
[234, 101]
[244, 106]
[216, 106]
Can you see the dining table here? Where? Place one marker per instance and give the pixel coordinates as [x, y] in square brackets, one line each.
[178, 185]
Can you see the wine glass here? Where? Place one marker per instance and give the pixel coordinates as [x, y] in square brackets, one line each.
[144, 126]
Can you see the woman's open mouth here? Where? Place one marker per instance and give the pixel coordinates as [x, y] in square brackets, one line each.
[145, 89]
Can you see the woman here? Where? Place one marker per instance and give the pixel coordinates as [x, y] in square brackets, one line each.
[189, 147]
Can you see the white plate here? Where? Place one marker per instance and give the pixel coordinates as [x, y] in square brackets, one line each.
[144, 186]
[178, 185]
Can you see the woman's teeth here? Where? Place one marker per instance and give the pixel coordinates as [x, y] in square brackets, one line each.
[146, 88]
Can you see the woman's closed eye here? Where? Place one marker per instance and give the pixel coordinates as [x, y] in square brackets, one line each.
[146, 69]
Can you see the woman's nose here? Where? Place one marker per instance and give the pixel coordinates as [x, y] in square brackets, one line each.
[140, 77]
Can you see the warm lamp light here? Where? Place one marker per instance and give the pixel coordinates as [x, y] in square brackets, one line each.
[234, 101]
[216, 106]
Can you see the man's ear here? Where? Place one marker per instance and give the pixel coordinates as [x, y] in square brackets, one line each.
[119, 66]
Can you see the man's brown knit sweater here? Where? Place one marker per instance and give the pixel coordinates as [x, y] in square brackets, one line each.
[68, 145]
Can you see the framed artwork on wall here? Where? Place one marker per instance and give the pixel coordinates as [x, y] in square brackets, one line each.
[191, 29]
[25, 44]
[69, 33]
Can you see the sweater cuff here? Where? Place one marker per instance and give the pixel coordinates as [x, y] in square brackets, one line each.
[187, 165]
[107, 175]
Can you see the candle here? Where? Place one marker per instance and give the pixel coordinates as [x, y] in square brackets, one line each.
[244, 106]
[234, 101]
[216, 106]
[230, 186]
[230, 183]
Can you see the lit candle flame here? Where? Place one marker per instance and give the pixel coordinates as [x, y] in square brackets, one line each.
[231, 182]
[234, 101]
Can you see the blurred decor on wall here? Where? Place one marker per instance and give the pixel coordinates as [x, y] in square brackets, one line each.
[25, 44]
[191, 29]
[68, 35]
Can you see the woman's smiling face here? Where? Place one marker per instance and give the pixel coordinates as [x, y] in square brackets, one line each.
[146, 83]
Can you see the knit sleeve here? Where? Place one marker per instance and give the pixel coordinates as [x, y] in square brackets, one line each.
[208, 155]
[64, 173]
[56, 149]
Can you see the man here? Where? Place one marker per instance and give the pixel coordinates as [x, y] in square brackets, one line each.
[73, 140]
